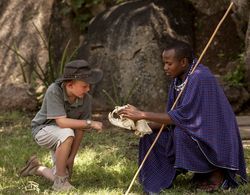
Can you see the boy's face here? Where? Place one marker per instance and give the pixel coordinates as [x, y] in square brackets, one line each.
[78, 88]
[173, 67]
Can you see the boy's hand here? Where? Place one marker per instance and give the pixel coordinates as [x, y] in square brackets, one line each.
[97, 125]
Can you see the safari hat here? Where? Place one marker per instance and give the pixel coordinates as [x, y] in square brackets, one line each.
[80, 70]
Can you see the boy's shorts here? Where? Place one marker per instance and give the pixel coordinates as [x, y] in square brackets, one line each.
[52, 136]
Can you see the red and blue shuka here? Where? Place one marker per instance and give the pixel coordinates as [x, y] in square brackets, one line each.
[205, 136]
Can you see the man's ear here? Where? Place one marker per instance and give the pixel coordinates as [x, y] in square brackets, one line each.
[184, 62]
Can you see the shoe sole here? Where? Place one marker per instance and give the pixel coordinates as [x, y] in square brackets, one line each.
[28, 163]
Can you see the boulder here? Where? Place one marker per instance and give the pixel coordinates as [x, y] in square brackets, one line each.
[227, 43]
[17, 29]
[237, 96]
[209, 7]
[19, 21]
[126, 42]
[18, 97]
[247, 55]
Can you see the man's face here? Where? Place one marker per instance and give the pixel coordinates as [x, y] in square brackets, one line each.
[173, 67]
[79, 88]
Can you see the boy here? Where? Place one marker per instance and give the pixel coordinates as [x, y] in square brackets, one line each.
[203, 137]
[59, 124]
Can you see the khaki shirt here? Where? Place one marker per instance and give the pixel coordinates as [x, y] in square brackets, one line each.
[56, 104]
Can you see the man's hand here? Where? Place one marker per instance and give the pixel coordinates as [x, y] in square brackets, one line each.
[132, 113]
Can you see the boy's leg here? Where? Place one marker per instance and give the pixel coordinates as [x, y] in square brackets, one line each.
[74, 149]
[59, 140]
[33, 167]
[49, 173]
[45, 172]
[62, 153]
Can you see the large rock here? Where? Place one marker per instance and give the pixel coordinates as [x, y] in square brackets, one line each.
[209, 7]
[248, 55]
[126, 42]
[241, 17]
[232, 39]
[237, 96]
[239, 31]
[17, 29]
[21, 97]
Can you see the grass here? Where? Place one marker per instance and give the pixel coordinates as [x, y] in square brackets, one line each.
[105, 164]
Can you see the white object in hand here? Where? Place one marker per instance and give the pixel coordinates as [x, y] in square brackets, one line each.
[140, 127]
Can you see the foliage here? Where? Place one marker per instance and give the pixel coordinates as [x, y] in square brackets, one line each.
[81, 10]
[105, 164]
[119, 100]
[52, 69]
[236, 78]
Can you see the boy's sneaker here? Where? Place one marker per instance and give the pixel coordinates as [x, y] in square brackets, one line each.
[61, 183]
[30, 168]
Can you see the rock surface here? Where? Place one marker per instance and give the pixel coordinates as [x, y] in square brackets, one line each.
[21, 97]
[237, 97]
[17, 29]
[18, 21]
[240, 15]
[126, 42]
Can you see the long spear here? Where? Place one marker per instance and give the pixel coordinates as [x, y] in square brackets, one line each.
[179, 95]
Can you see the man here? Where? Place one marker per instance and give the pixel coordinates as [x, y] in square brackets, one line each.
[203, 135]
[59, 124]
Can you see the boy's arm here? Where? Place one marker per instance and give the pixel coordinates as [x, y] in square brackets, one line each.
[64, 122]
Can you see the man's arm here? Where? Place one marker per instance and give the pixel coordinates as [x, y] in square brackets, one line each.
[157, 126]
[162, 118]
[135, 114]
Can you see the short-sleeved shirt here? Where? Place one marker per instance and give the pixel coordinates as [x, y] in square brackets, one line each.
[56, 104]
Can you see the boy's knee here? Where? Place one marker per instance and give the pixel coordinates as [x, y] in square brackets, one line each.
[67, 142]
[69, 139]
[68, 135]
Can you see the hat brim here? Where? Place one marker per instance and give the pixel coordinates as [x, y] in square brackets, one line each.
[95, 77]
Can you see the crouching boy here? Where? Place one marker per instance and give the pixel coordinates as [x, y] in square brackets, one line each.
[59, 124]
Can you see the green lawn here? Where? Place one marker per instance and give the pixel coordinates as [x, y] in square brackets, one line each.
[105, 164]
